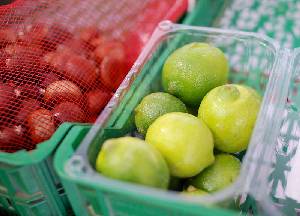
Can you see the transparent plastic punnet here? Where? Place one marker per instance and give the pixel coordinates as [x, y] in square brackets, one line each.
[255, 60]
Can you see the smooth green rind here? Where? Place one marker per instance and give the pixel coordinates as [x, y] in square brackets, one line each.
[185, 142]
[230, 112]
[133, 160]
[222, 173]
[193, 70]
[154, 105]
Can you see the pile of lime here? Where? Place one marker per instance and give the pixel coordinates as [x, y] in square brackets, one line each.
[178, 150]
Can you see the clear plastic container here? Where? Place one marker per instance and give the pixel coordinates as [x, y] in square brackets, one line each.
[256, 61]
[280, 172]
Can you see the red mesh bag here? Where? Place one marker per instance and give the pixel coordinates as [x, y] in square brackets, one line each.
[61, 61]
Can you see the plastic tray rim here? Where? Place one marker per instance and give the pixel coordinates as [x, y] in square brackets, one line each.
[91, 177]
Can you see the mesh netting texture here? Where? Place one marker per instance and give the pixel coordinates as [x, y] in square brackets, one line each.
[61, 61]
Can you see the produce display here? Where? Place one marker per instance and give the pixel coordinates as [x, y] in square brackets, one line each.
[199, 150]
[62, 61]
[49, 75]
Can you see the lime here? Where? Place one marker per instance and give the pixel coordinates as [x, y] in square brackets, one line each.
[223, 172]
[192, 70]
[191, 190]
[185, 142]
[230, 112]
[154, 105]
[133, 160]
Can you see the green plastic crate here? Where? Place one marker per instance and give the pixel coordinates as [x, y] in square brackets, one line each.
[93, 199]
[89, 200]
[97, 197]
[102, 196]
[28, 183]
[278, 19]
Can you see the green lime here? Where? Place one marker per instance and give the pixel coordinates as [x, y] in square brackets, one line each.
[191, 190]
[185, 142]
[133, 160]
[230, 112]
[154, 105]
[192, 70]
[223, 172]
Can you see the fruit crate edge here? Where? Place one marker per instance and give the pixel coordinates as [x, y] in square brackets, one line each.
[28, 182]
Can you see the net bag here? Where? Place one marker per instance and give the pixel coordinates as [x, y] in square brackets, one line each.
[61, 61]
